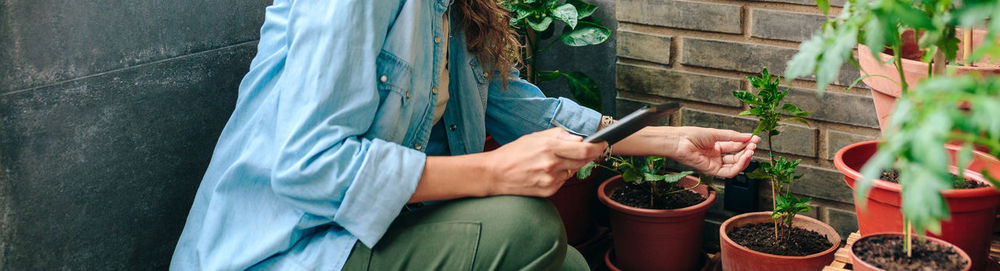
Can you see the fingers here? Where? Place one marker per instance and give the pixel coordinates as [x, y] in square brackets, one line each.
[570, 146]
[734, 163]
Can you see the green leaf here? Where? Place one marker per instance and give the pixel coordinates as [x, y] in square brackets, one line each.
[548, 75]
[653, 177]
[794, 110]
[804, 62]
[583, 9]
[673, 178]
[632, 175]
[586, 33]
[745, 113]
[798, 119]
[540, 24]
[585, 90]
[758, 174]
[964, 158]
[824, 6]
[566, 13]
[747, 97]
[915, 18]
[586, 170]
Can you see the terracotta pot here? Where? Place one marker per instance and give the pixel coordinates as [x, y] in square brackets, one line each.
[860, 265]
[885, 91]
[574, 202]
[972, 210]
[649, 239]
[738, 257]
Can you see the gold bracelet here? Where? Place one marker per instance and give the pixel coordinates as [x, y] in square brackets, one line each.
[605, 122]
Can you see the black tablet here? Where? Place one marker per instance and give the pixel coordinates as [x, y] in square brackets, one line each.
[632, 123]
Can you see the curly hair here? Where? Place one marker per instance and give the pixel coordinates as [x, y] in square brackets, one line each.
[488, 35]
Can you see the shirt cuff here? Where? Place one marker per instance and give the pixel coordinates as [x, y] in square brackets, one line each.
[576, 117]
[388, 177]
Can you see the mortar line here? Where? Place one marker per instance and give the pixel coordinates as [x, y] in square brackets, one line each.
[194, 54]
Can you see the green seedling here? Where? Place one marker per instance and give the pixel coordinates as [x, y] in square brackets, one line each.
[647, 171]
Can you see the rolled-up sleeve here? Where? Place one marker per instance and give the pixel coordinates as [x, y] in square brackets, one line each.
[522, 108]
[327, 100]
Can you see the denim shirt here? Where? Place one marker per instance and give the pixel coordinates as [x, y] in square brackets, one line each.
[326, 143]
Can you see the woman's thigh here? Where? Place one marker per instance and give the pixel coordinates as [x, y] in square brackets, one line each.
[493, 233]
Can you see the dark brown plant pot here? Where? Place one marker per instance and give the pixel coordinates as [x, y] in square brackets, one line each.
[860, 265]
[885, 91]
[574, 202]
[738, 257]
[973, 211]
[649, 239]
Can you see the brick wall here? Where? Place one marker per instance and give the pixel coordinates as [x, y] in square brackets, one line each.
[698, 52]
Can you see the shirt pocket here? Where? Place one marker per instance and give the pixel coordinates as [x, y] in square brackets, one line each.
[477, 70]
[394, 83]
[394, 76]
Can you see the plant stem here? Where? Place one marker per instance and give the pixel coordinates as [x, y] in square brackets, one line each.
[774, 195]
[908, 246]
[898, 59]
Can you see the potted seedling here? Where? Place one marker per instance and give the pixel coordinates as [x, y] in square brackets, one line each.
[536, 23]
[930, 36]
[781, 239]
[656, 216]
[925, 197]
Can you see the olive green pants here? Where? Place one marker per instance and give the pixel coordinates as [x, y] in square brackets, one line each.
[493, 233]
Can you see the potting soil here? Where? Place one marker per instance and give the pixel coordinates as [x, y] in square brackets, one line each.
[638, 196]
[886, 252]
[760, 237]
[892, 176]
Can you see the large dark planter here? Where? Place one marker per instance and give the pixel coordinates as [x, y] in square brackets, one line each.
[574, 202]
[648, 239]
[860, 265]
[972, 210]
[738, 257]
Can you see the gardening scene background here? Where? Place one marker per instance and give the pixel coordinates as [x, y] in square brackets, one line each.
[108, 116]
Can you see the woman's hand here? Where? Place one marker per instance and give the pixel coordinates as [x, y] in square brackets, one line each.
[537, 164]
[722, 153]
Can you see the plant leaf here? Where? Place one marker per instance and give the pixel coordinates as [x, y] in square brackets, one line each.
[798, 119]
[585, 90]
[566, 13]
[632, 175]
[824, 6]
[747, 97]
[794, 110]
[673, 178]
[586, 33]
[540, 24]
[586, 170]
[583, 9]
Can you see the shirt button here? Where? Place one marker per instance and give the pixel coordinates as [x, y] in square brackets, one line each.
[453, 127]
[437, 39]
[485, 74]
[384, 79]
[418, 146]
[434, 90]
[407, 94]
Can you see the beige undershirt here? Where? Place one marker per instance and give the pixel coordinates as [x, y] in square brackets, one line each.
[442, 88]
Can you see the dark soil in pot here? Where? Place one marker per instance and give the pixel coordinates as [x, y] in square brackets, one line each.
[892, 176]
[639, 196]
[886, 252]
[760, 237]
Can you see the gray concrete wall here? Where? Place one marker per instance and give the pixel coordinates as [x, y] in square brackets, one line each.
[109, 111]
[597, 61]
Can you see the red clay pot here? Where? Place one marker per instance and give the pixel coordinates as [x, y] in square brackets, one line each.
[648, 239]
[574, 202]
[885, 91]
[972, 210]
[610, 263]
[738, 257]
[860, 265]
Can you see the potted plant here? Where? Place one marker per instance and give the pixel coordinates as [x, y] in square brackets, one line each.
[881, 252]
[925, 33]
[926, 197]
[780, 239]
[535, 22]
[656, 217]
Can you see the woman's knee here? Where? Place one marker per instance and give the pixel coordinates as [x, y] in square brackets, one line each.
[523, 231]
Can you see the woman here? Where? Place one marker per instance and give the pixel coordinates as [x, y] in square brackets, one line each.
[354, 108]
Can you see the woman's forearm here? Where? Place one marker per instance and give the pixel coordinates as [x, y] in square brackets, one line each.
[652, 140]
[451, 177]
